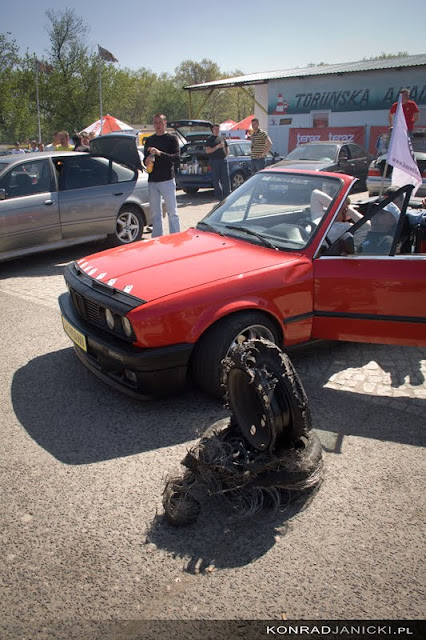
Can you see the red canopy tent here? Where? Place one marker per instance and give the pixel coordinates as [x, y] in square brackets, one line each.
[243, 124]
[109, 124]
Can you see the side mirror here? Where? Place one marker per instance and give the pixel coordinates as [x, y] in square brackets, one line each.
[2, 194]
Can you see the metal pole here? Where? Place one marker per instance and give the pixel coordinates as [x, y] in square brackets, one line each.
[190, 103]
[383, 178]
[38, 102]
[100, 90]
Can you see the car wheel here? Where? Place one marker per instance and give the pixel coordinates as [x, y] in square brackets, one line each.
[217, 343]
[267, 400]
[129, 226]
[237, 180]
[190, 190]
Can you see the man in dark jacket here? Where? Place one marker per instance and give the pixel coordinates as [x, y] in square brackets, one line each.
[217, 149]
[161, 151]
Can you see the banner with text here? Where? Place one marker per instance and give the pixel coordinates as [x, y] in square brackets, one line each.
[299, 136]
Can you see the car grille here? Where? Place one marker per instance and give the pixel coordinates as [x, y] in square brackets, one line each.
[94, 314]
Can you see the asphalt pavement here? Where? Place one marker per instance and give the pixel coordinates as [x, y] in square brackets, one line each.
[86, 552]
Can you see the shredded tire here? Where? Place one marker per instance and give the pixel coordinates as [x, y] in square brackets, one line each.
[265, 395]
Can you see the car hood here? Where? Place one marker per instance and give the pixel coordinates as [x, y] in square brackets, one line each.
[178, 262]
[308, 165]
[119, 147]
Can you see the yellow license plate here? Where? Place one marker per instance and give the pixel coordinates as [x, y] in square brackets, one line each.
[76, 336]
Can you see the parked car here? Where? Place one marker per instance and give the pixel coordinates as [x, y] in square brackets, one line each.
[194, 171]
[52, 199]
[377, 168]
[339, 157]
[145, 318]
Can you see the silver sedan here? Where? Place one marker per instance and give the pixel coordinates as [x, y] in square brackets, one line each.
[53, 199]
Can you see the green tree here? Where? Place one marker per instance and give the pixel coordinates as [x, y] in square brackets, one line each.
[386, 56]
[12, 112]
[130, 95]
[72, 91]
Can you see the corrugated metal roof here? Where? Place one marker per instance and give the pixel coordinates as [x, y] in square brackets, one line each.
[326, 69]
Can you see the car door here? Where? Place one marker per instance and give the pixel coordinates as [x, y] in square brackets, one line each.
[371, 296]
[29, 215]
[91, 193]
[360, 159]
[345, 162]
[239, 158]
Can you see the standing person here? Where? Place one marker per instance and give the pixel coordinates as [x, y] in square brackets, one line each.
[64, 142]
[85, 140]
[410, 109]
[161, 151]
[40, 146]
[218, 150]
[261, 144]
[17, 148]
[382, 143]
[78, 144]
[52, 145]
[34, 147]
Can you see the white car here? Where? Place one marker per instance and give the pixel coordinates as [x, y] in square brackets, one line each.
[377, 167]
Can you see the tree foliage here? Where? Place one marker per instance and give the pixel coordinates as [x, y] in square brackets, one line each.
[386, 56]
[67, 86]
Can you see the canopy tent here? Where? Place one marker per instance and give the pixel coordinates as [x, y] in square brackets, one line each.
[228, 124]
[109, 124]
[243, 124]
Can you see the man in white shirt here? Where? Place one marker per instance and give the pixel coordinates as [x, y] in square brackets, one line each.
[17, 148]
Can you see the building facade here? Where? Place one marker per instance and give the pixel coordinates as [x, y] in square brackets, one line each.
[348, 101]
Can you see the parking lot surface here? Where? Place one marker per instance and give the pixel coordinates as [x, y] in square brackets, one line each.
[83, 469]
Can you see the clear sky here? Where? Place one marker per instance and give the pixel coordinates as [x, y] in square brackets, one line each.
[249, 35]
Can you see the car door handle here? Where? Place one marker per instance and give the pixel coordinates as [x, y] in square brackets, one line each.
[48, 202]
[119, 193]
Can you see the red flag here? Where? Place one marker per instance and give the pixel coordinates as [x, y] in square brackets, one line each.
[104, 54]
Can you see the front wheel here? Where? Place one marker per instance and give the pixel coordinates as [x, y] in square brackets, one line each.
[237, 180]
[129, 226]
[217, 343]
[190, 190]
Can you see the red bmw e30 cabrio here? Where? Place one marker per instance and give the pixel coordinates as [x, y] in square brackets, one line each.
[282, 258]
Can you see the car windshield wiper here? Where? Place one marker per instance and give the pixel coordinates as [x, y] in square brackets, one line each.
[208, 226]
[252, 233]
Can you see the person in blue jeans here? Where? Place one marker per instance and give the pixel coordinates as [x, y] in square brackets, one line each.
[217, 149]
[161, 151]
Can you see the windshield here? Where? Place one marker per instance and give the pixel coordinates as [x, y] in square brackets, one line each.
[313, 152]
[278, 210]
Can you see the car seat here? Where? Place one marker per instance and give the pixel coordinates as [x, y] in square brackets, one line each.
[73, 177]
[23, 185]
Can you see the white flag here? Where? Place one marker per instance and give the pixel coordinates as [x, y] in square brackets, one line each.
[400, 153]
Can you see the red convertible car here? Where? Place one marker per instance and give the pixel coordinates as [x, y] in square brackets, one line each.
[278, 259]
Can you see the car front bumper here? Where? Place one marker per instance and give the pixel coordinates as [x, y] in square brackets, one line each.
[132, 370]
